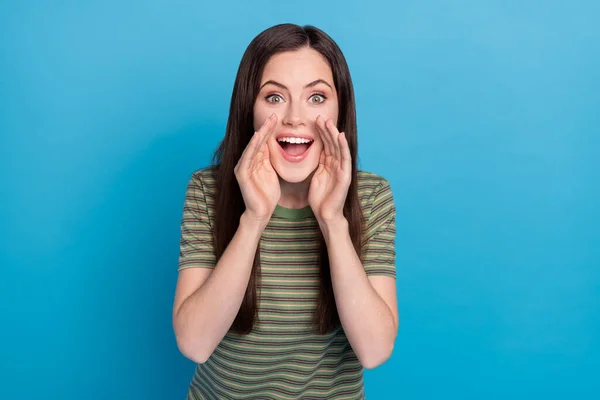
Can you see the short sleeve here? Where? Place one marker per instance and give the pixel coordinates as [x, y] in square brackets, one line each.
[379, 251]
[197, 242]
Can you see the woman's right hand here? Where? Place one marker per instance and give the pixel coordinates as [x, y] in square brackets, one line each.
[258, 180]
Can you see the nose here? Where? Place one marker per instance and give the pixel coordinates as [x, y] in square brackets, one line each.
[293, 115]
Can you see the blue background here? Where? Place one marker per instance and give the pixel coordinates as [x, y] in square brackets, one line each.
[483, 115]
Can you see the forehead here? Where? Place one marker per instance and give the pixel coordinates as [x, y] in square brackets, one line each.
[301, 66]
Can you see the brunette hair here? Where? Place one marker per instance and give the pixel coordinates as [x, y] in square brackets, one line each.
[229, 203]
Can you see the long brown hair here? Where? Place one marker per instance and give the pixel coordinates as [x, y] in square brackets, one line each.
[229, 203]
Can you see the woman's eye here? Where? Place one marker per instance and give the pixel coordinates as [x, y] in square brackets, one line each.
[317, 98]
[274, 98]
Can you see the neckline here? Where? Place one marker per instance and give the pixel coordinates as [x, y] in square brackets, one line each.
[293, 213]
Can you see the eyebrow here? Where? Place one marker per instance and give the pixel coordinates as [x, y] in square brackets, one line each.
[313, 83]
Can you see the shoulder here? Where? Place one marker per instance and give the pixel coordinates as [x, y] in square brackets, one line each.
[204, 179]
[201, 188]
[205, 176]
[377, 203]
[373, 188]
[370, 179]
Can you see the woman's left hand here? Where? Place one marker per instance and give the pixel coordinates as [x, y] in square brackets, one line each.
[330, 182]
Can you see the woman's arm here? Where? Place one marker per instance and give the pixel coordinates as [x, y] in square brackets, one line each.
[366, 305]
[207, 301]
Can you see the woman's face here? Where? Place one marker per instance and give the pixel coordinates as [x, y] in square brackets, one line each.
[297, 86]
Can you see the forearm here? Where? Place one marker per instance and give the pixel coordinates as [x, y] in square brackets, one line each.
[367, 320]
[207, 314]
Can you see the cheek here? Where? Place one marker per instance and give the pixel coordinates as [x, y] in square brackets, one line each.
[332, 112]
[329, 111]
[261, 114]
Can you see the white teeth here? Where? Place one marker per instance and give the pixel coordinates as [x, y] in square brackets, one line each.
[294, 140]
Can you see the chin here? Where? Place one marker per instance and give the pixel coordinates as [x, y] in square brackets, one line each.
[294, 175]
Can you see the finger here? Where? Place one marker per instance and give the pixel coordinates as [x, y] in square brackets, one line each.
[319, 171]
[322, 129]
[346, 156]
[250, 148]
[259, 157]
[256, 143]
[264, 145]
[266, 131]
[262, 155]
[334, 136]
[266, 153]
[267, 159]
[322, 158]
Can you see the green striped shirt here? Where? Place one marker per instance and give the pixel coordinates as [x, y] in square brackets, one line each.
[283, 357]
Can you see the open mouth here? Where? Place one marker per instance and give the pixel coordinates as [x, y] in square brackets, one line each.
[294, 148]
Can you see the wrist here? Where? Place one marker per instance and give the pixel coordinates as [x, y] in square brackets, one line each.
[333, 227]
[252, 225]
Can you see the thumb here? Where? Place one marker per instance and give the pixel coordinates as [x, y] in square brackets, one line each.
[267, 165]
[267, 159]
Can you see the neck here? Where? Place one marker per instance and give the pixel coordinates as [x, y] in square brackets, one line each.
[294, 195]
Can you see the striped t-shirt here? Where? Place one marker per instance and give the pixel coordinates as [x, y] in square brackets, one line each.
[283, 357]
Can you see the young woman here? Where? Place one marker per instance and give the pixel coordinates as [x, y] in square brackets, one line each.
[286, 284]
